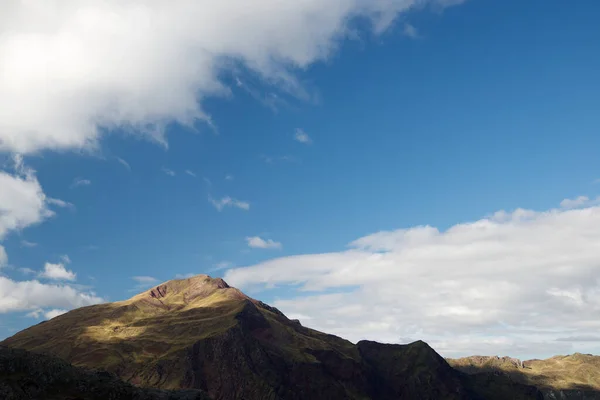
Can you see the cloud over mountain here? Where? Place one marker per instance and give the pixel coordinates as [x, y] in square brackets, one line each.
[505, 283]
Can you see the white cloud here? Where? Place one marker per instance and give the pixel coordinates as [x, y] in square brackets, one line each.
[26, 243]
[146, 280]
[190, 173]
[143, 283]
[229, 202]
[109, 64]
[510, 283]
[267, 99]
[22, 200]
[184, 276]
[302, 137]
[65, 259]
[3, 257]
[580, 201]
[124, 163]
[35, 313]
[27, 271]
[228, 177]
[80, 182]
[33, 295]
[272, 159]
[257, 242]
[222, 265]
[57, 272]
[54, 313]
[410, 31]
[59, 203]
[168, 171]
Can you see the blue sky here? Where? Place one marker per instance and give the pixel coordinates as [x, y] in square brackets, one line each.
[444, 116]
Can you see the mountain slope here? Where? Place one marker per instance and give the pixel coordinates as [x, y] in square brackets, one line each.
[25, 375]
[561, 377]
[201, 333]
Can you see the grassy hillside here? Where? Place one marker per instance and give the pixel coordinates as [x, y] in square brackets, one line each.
[199, 333]
[573, 376]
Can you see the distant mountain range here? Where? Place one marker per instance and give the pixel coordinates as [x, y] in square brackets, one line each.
[201, 335]
[561, 377]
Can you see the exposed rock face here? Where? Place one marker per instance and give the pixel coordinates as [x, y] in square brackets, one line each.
[25, 376]
[200, 333]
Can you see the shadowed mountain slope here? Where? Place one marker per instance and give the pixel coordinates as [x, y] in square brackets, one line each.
[25, 376]
[574, 377]
[199, 333]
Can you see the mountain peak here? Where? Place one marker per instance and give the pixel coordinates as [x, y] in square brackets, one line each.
[199, 290]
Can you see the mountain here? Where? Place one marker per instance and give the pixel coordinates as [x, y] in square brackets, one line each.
[25, 376]
[574, 377]
[199, 333]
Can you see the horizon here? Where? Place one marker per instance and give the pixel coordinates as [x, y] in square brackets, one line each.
[391, 171]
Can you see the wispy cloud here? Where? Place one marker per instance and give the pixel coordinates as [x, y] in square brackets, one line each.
[146, 280]
[228, 177]
[257, 242]
[229, 202]
[580, 201]
[59, 203]
[124, 163]
[168, 171]
[27, 271]
[269, 99]
[190, 173]
[410, 31]
[272, 159]
[222, 265]
[143, 283]
[77, 182]
[302, 137]
[185, 276]
[588, 338]
[26, 243]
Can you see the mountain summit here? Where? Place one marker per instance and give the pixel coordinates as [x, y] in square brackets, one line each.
[200, 333]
